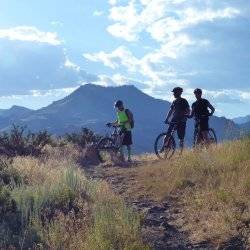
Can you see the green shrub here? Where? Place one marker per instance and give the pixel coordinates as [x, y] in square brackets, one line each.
[84, 137]
[8, 174]
[19, 141]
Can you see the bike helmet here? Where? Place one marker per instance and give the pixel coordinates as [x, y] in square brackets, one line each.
[198, 91]
[118, 104]
[177, 90]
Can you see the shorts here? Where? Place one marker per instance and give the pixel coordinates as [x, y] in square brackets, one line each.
[127, 139]
[202, 123]
[181, 129]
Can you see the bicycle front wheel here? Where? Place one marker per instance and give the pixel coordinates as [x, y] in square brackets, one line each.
[164, 146]
[105, 148]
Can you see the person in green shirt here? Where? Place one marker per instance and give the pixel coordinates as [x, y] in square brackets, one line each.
[125, 122]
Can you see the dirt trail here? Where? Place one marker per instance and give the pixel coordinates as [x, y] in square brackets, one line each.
[163, 224]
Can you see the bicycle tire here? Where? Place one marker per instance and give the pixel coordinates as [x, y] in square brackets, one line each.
[106, 145]
[212, 131]
[195, 138]
[166, 154]
[212, 138]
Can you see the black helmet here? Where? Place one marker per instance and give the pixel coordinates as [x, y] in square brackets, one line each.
[177, 90]
[198, 91]
[118, 104]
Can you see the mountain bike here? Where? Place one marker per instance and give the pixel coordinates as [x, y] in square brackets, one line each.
[110, 145]
[165, 144]
[198, 138]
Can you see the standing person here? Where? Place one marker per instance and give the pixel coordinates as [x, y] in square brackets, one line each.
[125, 121]
[200, 112]
[179, 111]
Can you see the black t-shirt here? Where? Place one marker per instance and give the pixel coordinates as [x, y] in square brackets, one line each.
[179, 107]
[200, 108]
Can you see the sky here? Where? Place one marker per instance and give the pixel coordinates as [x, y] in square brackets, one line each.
[49, 48]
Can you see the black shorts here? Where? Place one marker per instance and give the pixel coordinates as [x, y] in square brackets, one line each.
[127, 139]
[203, 123]
[181, 129]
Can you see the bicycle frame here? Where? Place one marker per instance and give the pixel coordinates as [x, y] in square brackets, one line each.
[115, 136]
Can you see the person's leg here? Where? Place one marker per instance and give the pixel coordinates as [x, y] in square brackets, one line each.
[129, 152]
[181, 131]
[204, 130]
[122, 136]
[122, 153]
[127, 141]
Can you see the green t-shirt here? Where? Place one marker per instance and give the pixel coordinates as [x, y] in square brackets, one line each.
[123, 120]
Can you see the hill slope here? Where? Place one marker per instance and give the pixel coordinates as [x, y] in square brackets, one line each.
[92, 106]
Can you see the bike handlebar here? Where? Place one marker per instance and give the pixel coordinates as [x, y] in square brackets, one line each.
[110, 125]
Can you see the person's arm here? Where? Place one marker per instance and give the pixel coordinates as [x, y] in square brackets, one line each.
[192, 113]
[187, 111]
[211, 107]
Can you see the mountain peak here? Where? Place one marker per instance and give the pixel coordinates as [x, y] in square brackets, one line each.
[96, 86]
[16, 108]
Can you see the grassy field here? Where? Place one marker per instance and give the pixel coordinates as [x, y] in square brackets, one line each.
[47, 203]
[213, 187]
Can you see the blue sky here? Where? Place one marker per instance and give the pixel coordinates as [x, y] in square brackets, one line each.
[49, 48]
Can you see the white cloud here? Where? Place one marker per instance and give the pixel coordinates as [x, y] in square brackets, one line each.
[98, 13]
[167, 22]
[145, 66]
[71, 65]
[31, 34]
[56, 23]
[51, 92]
[113, 2]
[160, 18]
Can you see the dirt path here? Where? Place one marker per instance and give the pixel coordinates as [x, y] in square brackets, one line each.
[163, 224]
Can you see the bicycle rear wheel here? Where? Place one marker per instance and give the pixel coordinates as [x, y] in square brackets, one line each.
[105, 148]
[164, 147]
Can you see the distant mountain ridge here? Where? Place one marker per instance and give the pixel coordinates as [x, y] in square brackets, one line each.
[9, 116]
[92, 106]
[242, 119]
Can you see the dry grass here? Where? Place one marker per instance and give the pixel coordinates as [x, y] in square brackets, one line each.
[214, 186]
[58, 208]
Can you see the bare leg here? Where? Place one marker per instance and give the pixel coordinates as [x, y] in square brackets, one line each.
[181, 143]
[205, 137]
[129, 152]
[122, 153]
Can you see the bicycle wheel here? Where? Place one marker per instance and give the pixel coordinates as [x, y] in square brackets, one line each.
[164, 148]
[212, 136]
[196, 139]
[105, 148]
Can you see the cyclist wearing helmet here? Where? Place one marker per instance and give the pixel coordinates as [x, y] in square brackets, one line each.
[124, 121]
[200, 112]
[179, 111]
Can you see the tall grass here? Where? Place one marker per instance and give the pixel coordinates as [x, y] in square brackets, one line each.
[55, 206]
[214, 186]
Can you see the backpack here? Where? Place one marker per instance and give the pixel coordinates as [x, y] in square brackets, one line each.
[130, 117]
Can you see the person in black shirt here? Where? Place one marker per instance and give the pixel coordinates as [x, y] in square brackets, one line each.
[179, 111]
[200, 112]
